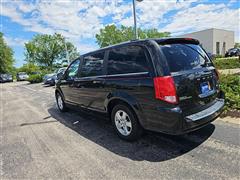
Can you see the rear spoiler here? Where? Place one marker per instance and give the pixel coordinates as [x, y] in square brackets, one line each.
[178, 40]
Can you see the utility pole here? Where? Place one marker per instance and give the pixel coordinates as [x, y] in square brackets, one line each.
[135, 18]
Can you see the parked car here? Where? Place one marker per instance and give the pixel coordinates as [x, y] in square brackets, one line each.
[6, 78]
[164, 85]
[35, 73]
[51, 78]
[233, 52]
[22, 76]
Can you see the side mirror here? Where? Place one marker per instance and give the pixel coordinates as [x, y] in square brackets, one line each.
[59, 75]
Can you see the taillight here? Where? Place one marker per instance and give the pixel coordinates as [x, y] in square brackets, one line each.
[165, 89]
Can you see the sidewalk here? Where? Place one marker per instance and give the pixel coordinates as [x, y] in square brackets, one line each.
[228, 119]
[229, 71]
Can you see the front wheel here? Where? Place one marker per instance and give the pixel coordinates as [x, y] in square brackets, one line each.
[125, 123]
[60, 102]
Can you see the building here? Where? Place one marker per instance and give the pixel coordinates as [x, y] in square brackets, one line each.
[215, 41]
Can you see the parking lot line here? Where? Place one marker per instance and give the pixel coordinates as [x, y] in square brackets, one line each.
[29, 88]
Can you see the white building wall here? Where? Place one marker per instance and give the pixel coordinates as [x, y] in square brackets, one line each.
[205, 37]
[222, 36]
[208, 38]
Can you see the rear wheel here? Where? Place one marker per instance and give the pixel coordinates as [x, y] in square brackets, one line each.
[125, 123]
[60, 102]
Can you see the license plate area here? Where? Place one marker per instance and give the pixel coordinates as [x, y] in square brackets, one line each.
[205, 87]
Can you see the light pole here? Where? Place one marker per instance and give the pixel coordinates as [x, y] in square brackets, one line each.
[135, 18]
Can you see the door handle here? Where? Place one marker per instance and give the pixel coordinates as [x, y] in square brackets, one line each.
[97, 82]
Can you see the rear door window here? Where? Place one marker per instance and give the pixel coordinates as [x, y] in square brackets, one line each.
[128, 59]
[92, 65]
[181, 57]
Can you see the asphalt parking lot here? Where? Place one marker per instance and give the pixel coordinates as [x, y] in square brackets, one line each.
[38, 142]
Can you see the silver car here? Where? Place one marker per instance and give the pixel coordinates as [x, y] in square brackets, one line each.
[22, 76]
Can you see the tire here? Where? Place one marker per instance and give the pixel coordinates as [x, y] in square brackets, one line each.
[125, 123]
[60, 102]
[52, 83]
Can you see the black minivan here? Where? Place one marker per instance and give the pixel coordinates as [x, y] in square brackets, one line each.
[166, 85]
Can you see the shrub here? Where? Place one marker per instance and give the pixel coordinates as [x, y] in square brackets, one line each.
[227, 63]
[230, 84]
[36, 78]
[218, 56]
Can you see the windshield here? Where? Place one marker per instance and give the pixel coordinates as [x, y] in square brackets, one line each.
[35, 72]
[233, 50]
[22, 73]
[181, 57]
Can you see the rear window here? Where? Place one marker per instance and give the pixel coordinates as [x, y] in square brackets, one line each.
[181, 57]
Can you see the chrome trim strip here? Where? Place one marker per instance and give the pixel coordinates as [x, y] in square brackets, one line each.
[127, 74]
[114, 75]
[207, 112]
[88, 77]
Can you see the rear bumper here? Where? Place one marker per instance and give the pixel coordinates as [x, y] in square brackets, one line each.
[21, 79]
[51, 82]
[195, 121]
[3, 81]
[172, 121]
[9, 80]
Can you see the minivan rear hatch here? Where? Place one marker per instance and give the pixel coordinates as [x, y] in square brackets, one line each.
[194, 75]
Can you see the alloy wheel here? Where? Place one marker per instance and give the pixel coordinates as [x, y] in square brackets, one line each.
[123, 122]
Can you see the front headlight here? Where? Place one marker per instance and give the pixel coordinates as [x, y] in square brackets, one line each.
[49, 79]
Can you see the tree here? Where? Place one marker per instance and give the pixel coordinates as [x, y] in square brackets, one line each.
[29, 68]
[111, 34]
[47, 50]
[6, 56]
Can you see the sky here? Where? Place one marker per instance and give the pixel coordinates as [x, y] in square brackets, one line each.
[80, 20]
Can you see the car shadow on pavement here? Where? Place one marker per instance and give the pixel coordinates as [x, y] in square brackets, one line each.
[154, 147]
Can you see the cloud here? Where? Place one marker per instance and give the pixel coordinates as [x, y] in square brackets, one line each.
[232, 2]
[14, 41]
[151, 12]
[203, 17]
[84, 48]
[81, 20]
